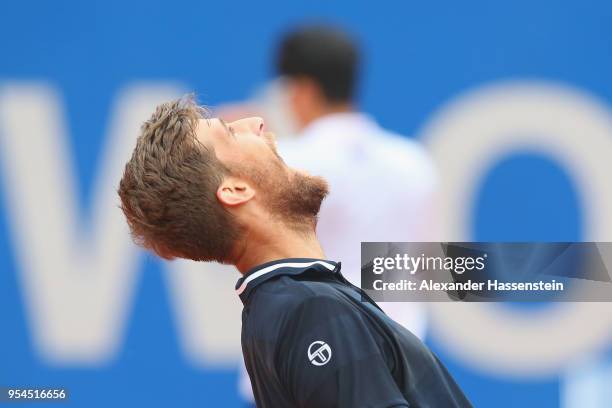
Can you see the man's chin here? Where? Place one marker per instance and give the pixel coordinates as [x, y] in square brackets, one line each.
[317, 185]
[317, 181]
[302, 200]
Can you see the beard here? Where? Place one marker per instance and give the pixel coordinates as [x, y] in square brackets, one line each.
[298, 199]
[292, 197]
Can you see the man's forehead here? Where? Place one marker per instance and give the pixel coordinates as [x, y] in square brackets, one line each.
[208, 128]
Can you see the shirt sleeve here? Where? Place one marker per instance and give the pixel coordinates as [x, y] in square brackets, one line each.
[330, 356]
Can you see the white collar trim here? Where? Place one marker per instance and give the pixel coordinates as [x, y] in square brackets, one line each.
[274, 267]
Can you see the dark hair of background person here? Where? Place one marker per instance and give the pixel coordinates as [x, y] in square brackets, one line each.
[324, 54]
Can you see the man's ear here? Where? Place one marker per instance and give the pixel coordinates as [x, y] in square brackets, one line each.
[234, 191]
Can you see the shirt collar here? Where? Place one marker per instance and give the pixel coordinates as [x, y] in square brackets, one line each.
[289, 266]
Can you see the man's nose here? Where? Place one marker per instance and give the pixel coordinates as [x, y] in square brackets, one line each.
[254, 125]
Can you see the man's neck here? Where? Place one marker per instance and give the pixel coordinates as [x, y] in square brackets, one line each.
[285, 243]
[325, 110]
[340, 107]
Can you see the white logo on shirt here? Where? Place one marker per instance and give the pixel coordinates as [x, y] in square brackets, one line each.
[319, 353]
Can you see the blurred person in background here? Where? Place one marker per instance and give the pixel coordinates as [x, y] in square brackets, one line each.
[382, 185]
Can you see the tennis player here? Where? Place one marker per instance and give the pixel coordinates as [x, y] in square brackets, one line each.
[206, 190]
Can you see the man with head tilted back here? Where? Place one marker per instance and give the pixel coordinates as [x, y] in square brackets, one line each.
[202, 189]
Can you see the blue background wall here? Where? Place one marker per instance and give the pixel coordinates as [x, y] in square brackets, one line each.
[419, 56]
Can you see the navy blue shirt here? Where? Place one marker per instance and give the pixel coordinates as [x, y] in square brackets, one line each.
[309, 340]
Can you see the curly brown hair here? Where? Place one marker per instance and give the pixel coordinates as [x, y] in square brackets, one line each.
[168, 188]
